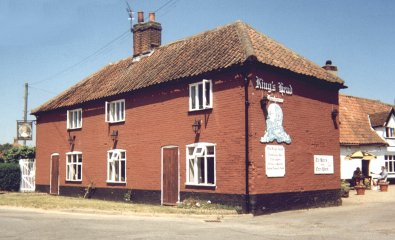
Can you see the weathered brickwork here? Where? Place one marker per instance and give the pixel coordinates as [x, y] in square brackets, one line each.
[158, 116]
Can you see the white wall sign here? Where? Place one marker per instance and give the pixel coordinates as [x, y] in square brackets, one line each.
[323, 164]
[275, 160]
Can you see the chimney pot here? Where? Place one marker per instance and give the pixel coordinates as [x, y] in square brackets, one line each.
[330, 68]
[152, 17]
[140, 17]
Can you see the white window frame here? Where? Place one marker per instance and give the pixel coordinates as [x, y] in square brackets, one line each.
[114, 172]
[389, 161]
[389, 132]
[207, 102]
[74, 118]
[200, 151]
[115, 112]
[71, 171]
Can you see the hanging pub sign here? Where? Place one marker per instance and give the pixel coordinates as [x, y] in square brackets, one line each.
[24, 130]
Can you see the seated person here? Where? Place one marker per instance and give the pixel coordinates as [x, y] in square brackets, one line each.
[356, 177]
[383, 176]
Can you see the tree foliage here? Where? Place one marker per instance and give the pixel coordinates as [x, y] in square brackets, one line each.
[13, 154]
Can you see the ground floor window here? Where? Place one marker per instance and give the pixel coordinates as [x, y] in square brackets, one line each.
[74, 166]
[116, 166]
[201, 164]
[390, 163]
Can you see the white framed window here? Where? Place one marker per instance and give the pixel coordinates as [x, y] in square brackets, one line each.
[201, 166]
[390, 132]
[390, 163]
[74, 166]
[116, 166]
[74, 118]
[115, 111]
[200, 95]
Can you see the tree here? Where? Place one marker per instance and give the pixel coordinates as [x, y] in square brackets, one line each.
[15, 153]
[3, 148]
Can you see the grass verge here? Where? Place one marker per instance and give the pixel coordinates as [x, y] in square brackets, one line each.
[50, 202]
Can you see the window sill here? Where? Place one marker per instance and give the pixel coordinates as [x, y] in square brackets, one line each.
[116, 183]
[196, 110]
[74, 181]
[193, 185]
[115, 122]
[71, 129]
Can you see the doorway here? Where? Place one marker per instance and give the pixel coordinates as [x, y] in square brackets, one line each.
[170, 175]
[54, 174]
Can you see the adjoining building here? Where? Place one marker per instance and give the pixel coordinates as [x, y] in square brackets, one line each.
[228, 115]
[366, 125]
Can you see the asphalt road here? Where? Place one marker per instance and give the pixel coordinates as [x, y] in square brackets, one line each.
[361, 217]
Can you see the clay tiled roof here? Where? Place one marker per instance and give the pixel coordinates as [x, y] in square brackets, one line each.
[355, 125]
[378, 119]
[209, 51]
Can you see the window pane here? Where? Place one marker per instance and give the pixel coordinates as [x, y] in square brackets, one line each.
[193, 97]
[191, 171]
[123, 170]
[122, 110]
[190, 150]
[210, 150]
[116, 171]
[207, 93]
[79, 172]
[79, 158]
[200, 164]
[210, 170]
[200, 95]
[123, 155]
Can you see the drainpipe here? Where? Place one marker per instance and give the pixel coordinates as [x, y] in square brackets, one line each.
[247, 154]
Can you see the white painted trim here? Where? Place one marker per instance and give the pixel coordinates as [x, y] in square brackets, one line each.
[50, 172]
[161, 171]
[68, 119]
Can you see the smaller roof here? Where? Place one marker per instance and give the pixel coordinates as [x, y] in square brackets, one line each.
[355, 124]
[380, 119]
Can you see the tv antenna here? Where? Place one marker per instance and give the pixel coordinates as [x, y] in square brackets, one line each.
[130, 13]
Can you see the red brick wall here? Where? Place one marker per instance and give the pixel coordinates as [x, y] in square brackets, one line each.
[307, 119]
[154, 118]
[160, 117]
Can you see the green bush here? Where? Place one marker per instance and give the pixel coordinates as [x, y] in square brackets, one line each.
[10, 177]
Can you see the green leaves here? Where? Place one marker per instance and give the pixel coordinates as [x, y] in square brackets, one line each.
[13, 154]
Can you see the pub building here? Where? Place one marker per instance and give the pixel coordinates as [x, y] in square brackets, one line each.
[228, 115]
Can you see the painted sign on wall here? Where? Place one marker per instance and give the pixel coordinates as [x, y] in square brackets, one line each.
[274, 126]
[323, 164]
[272, 87]
[275, 160]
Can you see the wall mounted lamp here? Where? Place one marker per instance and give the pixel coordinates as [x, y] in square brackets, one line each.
[114, 135]
[71, 140]
[196, 126]
[334, 113]
[263, 102]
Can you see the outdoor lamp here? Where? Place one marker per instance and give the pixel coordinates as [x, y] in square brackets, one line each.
[114, 135]
[71, 139]
[334, 113]
[196, 126]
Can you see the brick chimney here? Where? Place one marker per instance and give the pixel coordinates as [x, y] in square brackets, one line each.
[146, 35]
[330, 68]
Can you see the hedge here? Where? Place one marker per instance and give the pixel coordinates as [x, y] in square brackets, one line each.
[10, 177]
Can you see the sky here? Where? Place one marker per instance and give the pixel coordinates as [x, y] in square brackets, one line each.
[53, 44]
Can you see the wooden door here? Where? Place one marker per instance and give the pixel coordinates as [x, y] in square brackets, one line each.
[54, 182]
[170, 193]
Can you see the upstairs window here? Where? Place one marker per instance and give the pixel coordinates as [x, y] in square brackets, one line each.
[115, 111]
[200, 95]
[116, 166]
[201, 164]
[390, 133]
[74, 166]
[74, 119]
